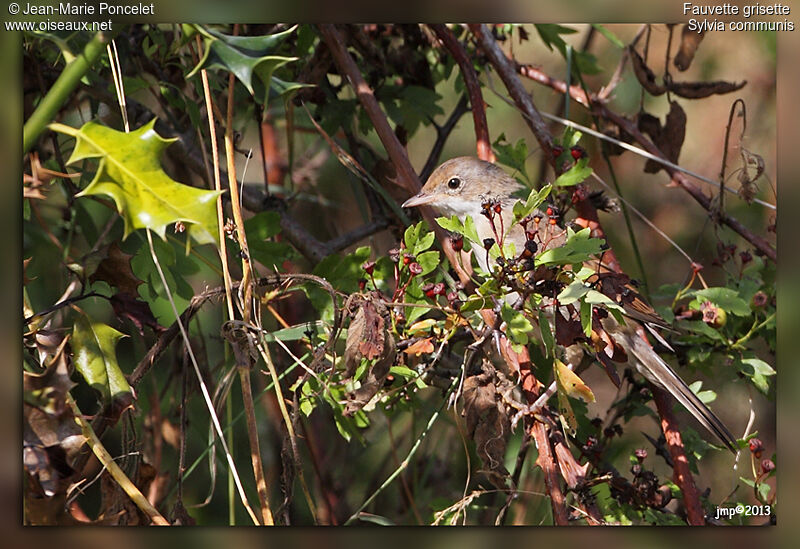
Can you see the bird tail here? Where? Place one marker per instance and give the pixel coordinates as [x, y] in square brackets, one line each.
[656, 370]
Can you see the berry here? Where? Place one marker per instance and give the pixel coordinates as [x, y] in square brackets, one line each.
[577, 152]
[457, 241]
[557, 150]
[488, 242]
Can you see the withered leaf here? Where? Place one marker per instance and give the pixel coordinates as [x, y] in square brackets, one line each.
[573, 473]
[115, 269]
[368, 337]
[669, 138]
[137, 311]
[420, 347]
[690, 40]
[687, 90]
[568, 331]
[488, 423]
[699, 90]
[644, 74]
[748, 187]
[51, 437]
[571, 383]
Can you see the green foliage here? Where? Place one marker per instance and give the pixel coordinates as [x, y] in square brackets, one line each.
[576, 174]
[585, 62]
[513, 156]
[578, 248]
[247, 57]
[260, 229]
[94, 346]
[130, 172]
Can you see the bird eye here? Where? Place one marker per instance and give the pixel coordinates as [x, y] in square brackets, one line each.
[454, 183]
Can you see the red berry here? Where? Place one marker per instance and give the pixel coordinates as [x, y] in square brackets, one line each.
[457, 241]
[549, 210]
[557, 150]
[577, 152]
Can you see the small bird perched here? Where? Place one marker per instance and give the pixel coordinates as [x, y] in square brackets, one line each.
[463, 186]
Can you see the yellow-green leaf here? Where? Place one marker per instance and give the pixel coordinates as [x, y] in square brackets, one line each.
[94, 345]
[572, 385]
[130, 173]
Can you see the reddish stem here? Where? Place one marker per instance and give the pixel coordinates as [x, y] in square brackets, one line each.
[473, 89]
[682, 474]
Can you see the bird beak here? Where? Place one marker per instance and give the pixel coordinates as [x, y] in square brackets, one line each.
[419, 199]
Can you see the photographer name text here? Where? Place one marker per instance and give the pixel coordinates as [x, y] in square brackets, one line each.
[103, 8]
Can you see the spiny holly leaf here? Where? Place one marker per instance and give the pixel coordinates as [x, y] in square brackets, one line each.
[245, 57]
[96, 359]
[130, 172]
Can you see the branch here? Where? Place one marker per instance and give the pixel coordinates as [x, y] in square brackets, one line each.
[507, 71]
[473, 88]
[406, 176]
[680, 464]
[442, 133]
[70, 77]
[592, 102]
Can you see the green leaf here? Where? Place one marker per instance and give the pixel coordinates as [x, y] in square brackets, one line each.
[757, 370]
[573, 293]
[517, 325]
[584, 62]
[578, 248]
[576, 174]
[259, 229]
[452, 224]
[245, 57]
[93, 344]
[408, 106]
[586, 318]
[428, 260]
[423, 243]
[725, 298]
[610, 36]
[130, 173]
[534, 200]
[547, 334]
[513, 156]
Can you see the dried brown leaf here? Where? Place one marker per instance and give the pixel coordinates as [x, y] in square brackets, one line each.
[488, 423]
[669, 138]
[699, 90]
[135, 310]
[420, 347]
[644, 74]
[690, 40]
[573, 473]
[368, 337]
[115, 269]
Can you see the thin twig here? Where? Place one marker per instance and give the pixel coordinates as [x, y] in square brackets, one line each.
[442, 134]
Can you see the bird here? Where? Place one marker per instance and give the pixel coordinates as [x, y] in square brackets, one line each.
[466, 186]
